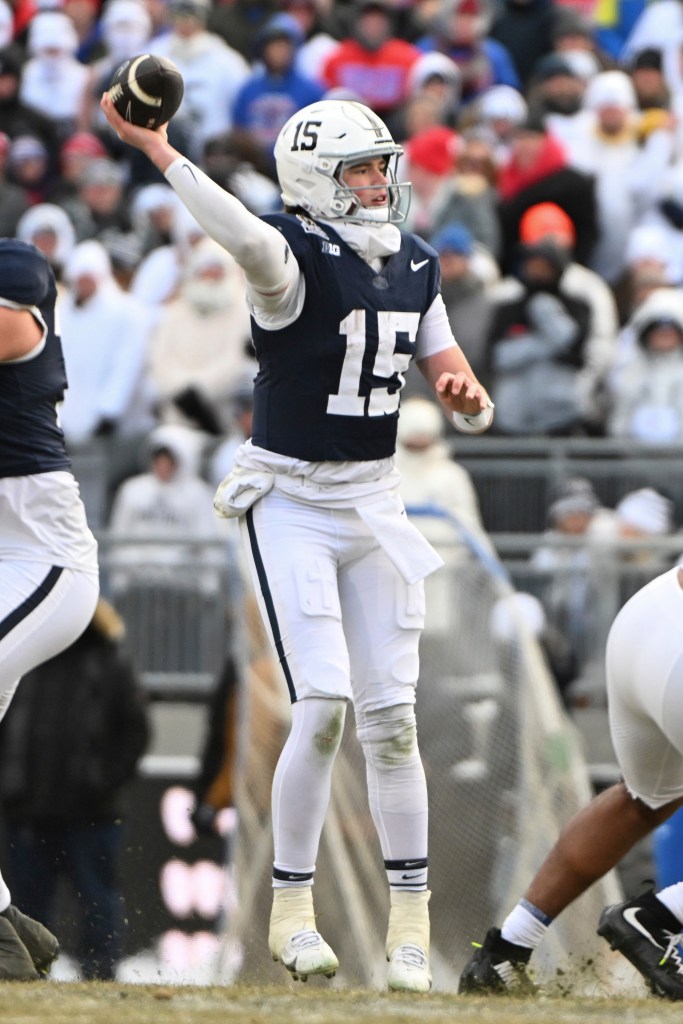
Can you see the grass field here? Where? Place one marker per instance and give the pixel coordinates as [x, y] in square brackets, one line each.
[110, 1003]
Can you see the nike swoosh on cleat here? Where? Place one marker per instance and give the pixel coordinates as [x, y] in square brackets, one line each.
[418, 266]
[630, 916]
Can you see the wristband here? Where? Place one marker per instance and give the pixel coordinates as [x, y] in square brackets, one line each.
[477, 423]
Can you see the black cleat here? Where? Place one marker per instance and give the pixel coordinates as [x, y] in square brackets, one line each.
[498, 967]
[648, 934]
[41, 944]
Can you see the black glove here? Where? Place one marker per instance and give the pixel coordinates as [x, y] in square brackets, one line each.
[196, 407]
[203, 817]
[105, 427]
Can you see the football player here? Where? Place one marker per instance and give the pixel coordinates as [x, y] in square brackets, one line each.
[644, 673]
[341, 302]
[48, 556]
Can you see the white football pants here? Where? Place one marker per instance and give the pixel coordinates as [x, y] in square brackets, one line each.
[43, 609]
[644, 661]
[345, 626]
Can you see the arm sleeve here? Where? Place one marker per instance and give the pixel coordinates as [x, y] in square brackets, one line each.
[259, 248]
[434, 333]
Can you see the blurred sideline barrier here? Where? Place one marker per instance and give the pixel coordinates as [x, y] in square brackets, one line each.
[514, 477]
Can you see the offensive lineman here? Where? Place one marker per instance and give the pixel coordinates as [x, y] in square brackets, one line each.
[341, 302]
[48, 556]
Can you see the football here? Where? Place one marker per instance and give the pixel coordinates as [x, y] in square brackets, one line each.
[147, 90]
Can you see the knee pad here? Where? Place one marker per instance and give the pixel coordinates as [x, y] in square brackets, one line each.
[388, 735]
[319, 724]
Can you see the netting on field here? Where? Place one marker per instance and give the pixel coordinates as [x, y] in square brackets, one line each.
[504, 770]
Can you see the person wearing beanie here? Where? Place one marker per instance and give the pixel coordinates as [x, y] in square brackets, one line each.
[461, 31]
[499, 111]
[372, 60]
[445, 190]
[536, 345]
[49, 228]
[627, 168]
[645, 387]
[556, 94]
[549, 222]
[212, 71]
[437, 76]
[53, 80]
[272, 93]
[647, 74]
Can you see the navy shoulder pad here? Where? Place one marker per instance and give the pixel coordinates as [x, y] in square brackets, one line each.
[25, 274]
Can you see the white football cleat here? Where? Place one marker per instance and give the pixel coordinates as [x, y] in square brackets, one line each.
[308, 953]
[409, 970]
[407, 945]
[293, 938]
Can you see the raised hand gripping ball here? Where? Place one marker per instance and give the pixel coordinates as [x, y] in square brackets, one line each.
[147, 90]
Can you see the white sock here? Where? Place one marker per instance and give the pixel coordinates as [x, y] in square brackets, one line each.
[526, 925]
[672, 898]
[5, 898]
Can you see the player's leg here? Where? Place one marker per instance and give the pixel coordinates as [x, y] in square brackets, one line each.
[42, 610]
[292, 551]
[645, 689]
[383, 618]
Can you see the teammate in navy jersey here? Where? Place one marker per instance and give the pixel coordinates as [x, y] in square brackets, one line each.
[341, 303]
[48, 556]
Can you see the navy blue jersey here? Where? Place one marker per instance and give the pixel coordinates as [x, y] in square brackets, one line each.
[328, 385]
[31, 440]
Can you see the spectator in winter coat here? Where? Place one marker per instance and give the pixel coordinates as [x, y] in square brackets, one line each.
[627, 165]
[105, 333]
[547, 222]
[646, 388]
[193, 384]
[525, 29]
[212, 70]
[372, 61]
[71, 742]
[538, 171]
[461, 31]
[536, 347]
[273, 92]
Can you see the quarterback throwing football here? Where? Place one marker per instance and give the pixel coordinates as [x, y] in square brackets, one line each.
[341, 303]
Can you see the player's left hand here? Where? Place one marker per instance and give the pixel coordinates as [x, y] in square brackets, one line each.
[459, 393]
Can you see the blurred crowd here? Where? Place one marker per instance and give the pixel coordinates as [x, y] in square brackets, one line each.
[544, 143]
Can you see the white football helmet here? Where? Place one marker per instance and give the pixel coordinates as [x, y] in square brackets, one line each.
[317, 143]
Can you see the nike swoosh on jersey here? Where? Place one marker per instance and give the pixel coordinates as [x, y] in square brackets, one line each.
[418, 266]
[631, 917]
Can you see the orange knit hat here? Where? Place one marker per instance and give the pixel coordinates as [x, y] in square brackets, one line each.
[546, 219]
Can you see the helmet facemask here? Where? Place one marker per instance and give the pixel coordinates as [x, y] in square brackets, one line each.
[394, 210]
